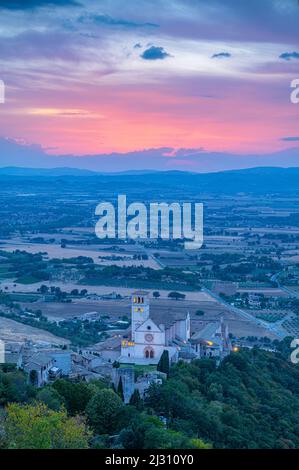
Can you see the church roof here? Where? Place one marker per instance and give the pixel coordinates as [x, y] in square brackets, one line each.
[112, 343]
[207, 333]
[39, 359]
[140, 327]
[168, 318]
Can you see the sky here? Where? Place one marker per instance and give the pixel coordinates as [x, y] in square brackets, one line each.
[164, 84]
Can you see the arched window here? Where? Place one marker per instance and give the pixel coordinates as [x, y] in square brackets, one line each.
[149, 353]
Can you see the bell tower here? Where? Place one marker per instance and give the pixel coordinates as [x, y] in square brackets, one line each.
[140, 310]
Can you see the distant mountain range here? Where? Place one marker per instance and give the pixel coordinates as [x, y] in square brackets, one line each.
[19, 171]
[65, 171]
[253, 180]
[16, 154]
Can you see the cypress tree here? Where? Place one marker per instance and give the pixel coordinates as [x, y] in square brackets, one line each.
[120, 389]
[135, 399]
[163, 365]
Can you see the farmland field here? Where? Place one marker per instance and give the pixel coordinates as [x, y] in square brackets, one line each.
[11, 330]
[99, 257]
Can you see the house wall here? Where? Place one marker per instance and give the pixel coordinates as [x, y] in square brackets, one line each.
[128, 378]
[63, 361]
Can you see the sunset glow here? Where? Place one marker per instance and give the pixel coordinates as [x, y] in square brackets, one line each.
[108, 77]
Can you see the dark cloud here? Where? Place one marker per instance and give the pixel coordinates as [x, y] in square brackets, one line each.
[289, 55]
[155, 53]
[290, 139]
[109, 21]
[138, 46]
[221, 55]
[31, 4]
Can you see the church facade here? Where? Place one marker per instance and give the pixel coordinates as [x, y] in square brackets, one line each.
[148, 339]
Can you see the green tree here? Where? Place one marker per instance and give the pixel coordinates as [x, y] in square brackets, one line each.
[51, 398]
[163, 364]
[249, 401]
[176, 296]
[43, 289]
[76, 395]
[103, 411]
[120, 389]
[135, 400]
[33, 377]
[13, 386]
[148, 432]
[37, 427]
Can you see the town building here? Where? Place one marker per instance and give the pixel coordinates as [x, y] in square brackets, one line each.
[149, 338]
[130, 383]
[44, 365]
[90, 316]
[38, 368]
[212, 341]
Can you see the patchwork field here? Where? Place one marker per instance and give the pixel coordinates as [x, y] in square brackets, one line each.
[17, 332]
[163, 311]
[10, 286]
[52, 251]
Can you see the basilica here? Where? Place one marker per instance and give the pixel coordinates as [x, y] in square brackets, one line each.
[149, 338]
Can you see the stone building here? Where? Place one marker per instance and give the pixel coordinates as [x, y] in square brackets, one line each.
[212, 341]
[149, 338]
[43, 365]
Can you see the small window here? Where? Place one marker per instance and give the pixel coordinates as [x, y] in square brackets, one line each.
[149, 327]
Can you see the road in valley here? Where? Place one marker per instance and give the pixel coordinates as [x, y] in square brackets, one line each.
[274, 328]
